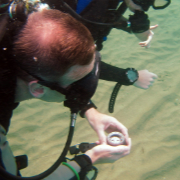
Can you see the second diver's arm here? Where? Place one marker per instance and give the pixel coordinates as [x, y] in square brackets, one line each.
[113, 73]
[116, 74]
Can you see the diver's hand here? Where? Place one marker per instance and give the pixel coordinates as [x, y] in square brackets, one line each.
[148, 35]
[145, 80]
[102, 123]
[108, 154]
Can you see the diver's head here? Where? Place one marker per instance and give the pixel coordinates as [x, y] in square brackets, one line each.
[51, 42]
[57, 50]
[156, 4]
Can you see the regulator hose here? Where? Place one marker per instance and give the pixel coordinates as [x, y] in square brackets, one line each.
[9, 176]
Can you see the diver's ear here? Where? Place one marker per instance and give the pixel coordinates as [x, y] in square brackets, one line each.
[36, 90]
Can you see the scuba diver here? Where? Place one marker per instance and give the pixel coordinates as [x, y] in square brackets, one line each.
[11, 10]
[51, 56]
[100, 16]
[13, 15]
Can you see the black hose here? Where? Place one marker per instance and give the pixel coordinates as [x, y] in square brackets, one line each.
[113, 97]
[80, 18]
[9, 176]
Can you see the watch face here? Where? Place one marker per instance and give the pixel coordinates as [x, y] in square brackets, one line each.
[132, 75]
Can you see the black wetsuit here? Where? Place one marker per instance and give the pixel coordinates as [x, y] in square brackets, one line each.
[7, 72]
[7, 89]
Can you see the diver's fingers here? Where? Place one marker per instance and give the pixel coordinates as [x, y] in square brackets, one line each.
[148, 46]
[147, 42]
[153, 27]
[144, 44]
[154, 76]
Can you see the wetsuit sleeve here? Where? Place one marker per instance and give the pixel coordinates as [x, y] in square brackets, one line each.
[6, 99]
[7, 90]
[139, 22]
[113, 73]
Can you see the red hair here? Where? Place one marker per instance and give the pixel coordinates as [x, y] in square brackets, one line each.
[51, 42]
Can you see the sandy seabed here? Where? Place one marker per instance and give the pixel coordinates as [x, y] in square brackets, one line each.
[152, 116]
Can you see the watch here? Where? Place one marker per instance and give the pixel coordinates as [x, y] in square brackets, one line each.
[132, 75]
